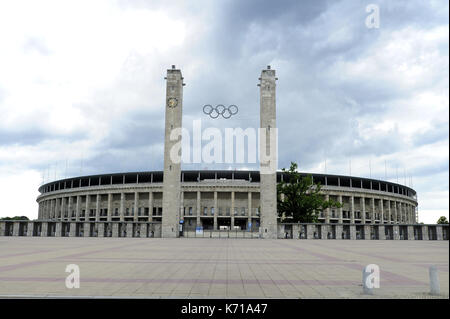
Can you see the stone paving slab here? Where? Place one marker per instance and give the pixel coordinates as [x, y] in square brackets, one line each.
[218, 268]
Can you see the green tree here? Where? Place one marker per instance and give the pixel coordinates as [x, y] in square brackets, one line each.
[15, 218]
[442, 220]
[302, 199]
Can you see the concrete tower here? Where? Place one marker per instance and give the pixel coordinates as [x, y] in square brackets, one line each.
[268, 154]
[172, 169]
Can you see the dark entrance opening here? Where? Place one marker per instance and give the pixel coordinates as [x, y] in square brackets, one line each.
[418, 233]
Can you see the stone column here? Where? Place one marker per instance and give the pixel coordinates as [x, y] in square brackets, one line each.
[63, 207]
[439, 235]
[396, 232]
[129, 229]
[352, 209]
[115, 230]
[52, 211]
[310, 231]
[373, 212]
[215, 210]
[410, 229]
[198, 208]
[339, 229]
[389, 212]
[16, 227]
[87, 229]
[73, 229]
[30, 228]
[110, 207]
[58, 229]
[367, 232]
[88, 202]
[327, 211]
[323, 231]
[363, 208]
[70, 207]
[143, 229]
[340, 211]
[268, 156]
[353, 231]
[97, 208]
[232, 209]
[77, 208]
[381, 203]
[395, 213]
[249, 219]
[136, 206]
[425, 233]
[101, 229]
[150, 206]
[2, 228]
[122, 206]
[57, 208]
[44, 229]
[381, 232]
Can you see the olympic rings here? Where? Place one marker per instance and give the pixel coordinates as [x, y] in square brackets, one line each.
[215, 112]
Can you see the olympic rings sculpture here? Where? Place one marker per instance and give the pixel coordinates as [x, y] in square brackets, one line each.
[215, 112]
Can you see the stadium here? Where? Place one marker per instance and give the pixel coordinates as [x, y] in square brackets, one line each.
[215, 203]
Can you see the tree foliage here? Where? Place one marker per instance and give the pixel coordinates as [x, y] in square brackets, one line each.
[442, 220]
[15, 218]
[302, 199]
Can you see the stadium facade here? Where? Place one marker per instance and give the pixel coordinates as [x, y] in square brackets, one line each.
[208, 203]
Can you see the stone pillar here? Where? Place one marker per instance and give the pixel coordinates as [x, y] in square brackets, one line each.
[215, 210]
[439, 235]
[143, 229]
[323, 231]
[129, 229]
[381, 232]
[100, 229]
[77, 208]
[122, 206]
[268, 156]
[232, 209]
[73, 229]
[396, 229]
[425, 233]
[52, 211]
[249, 219]
[110, 207]
[88, 204]
[87, 229]
[16, 227]
[172, 168]
[363, 208]
[2, 228]
[115, 230]
[327, 211]
[373, 212]
[340, 211]
[63, 207]
[97, 208]
[57, 208]
[58, 229]
[381, 202]
[395, 213]
[198, 208]
[310, 231]
[30, 228]
[136, 206]
[410, 229]
[339, 229]
[367, 232]
[352, 209]
[150, 206]
[44, 229]
[353, 231]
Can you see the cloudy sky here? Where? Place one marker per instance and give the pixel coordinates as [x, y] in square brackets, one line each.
[82, 87]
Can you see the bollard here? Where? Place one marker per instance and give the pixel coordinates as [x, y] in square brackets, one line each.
[434, 281]
[370, 278]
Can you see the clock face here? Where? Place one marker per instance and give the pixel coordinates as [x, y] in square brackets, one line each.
[172, 102]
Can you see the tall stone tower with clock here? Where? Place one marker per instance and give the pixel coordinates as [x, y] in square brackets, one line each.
[268, 157]
[172, 165]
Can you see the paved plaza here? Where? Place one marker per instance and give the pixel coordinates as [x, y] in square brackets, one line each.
[219, 268]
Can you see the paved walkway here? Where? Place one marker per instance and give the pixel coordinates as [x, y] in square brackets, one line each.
[219, 268]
